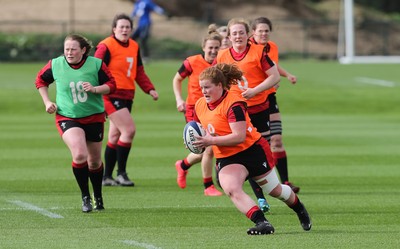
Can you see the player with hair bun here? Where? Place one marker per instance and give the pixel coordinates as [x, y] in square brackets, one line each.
[191, 68]
[223, 31]
[240, 150]
[261, 29]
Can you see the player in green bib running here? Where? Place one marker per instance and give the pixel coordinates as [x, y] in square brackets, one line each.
[79, 109]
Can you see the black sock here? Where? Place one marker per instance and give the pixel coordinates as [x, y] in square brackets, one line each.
[96, 179]
[282, 167]
[184, 165]
[256, 189]
[81, 172]
[122, 157]
[258, 216]
[110, 158]
[297, 206]
[207, 182]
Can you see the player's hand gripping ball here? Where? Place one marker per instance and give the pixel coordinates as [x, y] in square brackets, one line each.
[192, 130]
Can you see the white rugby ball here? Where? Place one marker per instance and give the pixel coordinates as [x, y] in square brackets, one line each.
[193, 129]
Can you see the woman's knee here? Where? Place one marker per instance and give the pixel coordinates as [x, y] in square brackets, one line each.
[113, 137]
[128, 132]
[231, 189]
[94, 165]
[232, 192]
[276, 141]
[79, 156]
[282, 192]
[208, 152]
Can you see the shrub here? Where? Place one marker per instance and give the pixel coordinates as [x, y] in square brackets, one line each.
[42, 47]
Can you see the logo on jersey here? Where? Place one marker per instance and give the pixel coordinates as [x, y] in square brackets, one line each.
[211, 129]
[218, 166]
[243, 84]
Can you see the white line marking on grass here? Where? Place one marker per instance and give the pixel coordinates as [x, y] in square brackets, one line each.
[377, 82]
[134, 208]
[29, 206]
[139, 244]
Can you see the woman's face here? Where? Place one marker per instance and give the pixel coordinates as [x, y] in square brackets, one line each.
[238, 36]
[225, 43]
[210, 49]
[123, 30]
[261, 33]
[73, 52]
[211, 92]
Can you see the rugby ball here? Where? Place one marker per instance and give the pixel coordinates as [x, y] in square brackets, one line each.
[192, 130]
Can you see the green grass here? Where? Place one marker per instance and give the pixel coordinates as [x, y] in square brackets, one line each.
[342, 138]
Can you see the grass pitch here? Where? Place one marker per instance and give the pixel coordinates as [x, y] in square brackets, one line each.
[341, 131]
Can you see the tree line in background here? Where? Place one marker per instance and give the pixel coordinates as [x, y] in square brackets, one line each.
[41, 47]
[387, 6]
[207, 9]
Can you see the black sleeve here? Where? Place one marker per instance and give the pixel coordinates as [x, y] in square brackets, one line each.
[104, 74]
[238, 112]
[182, 69]
[265, 53]
[47, 75]
[139, 59]
[107, 57]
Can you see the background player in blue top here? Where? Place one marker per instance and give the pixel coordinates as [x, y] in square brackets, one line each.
[141, 14]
